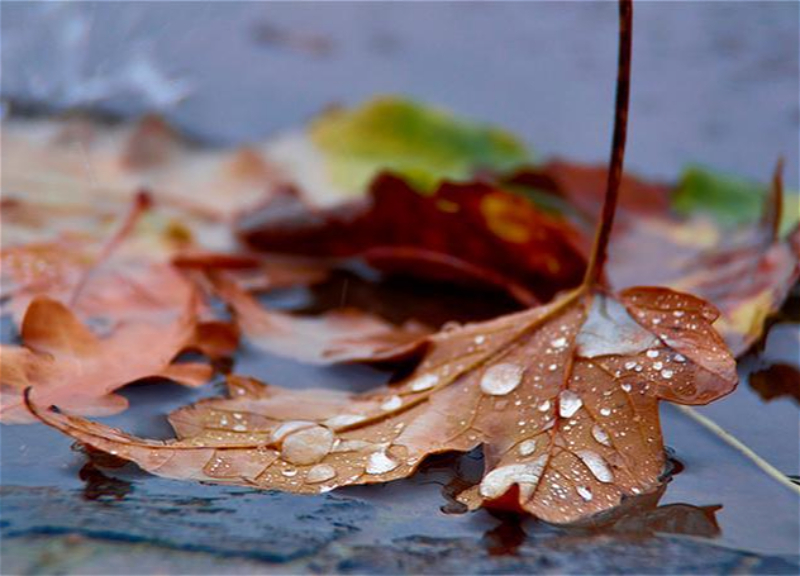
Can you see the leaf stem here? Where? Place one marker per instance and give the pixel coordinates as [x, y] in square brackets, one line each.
[594, 271]
[773, 209]
[738, 445]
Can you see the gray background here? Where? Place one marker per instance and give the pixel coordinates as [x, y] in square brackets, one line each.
[713, 82]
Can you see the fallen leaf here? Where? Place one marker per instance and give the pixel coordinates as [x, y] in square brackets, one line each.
[777, 381]
[563, 398]
[344, 335]
[79, 161]
[65, 363]
[342, 150]
[472, 231]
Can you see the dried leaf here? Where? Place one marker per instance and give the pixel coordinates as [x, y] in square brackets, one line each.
[342, 150]
[463, 231]
[65, 363]
[701, 236]
[563, 398]
[344, 335]
[777, 381]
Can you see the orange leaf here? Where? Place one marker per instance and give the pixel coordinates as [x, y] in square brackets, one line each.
[345, 335]
[64, 363]
[563, 398]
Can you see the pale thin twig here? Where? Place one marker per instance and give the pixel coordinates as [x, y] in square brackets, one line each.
[740, 446]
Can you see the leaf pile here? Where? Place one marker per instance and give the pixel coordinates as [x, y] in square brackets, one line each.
[562, 396]
[526, 233]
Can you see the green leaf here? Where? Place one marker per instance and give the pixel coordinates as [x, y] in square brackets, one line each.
[423, 144]
[731, 200]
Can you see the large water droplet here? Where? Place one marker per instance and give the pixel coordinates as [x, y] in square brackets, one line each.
[288, 427]
[596, 465]
[352, 446]
[569, 403]
[600, 435]
[526, 476]
[392, 403]
[380, 463]
[307, 446]
[344, 420]
[501, 379]
[424, 382]
[609, 329]
[584, 492]
[544, 406]
[527, 447]
[320, 473]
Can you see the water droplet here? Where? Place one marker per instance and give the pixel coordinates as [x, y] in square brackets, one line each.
[424, 382]
[527, 447]
[380, 463]
[609, 329]
[658, 365]
[584, 492]
[501, 379]
[652, 353]
[307, 446]
[596, 465]
[680, 358]
[288, 427]
[544, 406]
[344, 420]
[630, 365]
[600, 435]
[678, 314]
[569, 403]
[559, 342]
[239, 428]
[320, 473]
[480, 339]
[526, 476]
[626, 387]
[605, 411]
[289, 472]
[667, 373]
[552, 367]
[352, 446]
[392, 403]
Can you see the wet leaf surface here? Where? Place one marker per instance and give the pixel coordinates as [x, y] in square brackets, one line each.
[562, 397]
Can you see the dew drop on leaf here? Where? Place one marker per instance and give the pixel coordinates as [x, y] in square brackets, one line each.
[596, 465]
[320, 473]
[424, 382]
[307, 446]
[380, 463]
[501, 379]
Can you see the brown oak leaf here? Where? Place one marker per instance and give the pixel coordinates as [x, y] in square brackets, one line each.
[65, 363]
[563, 398]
